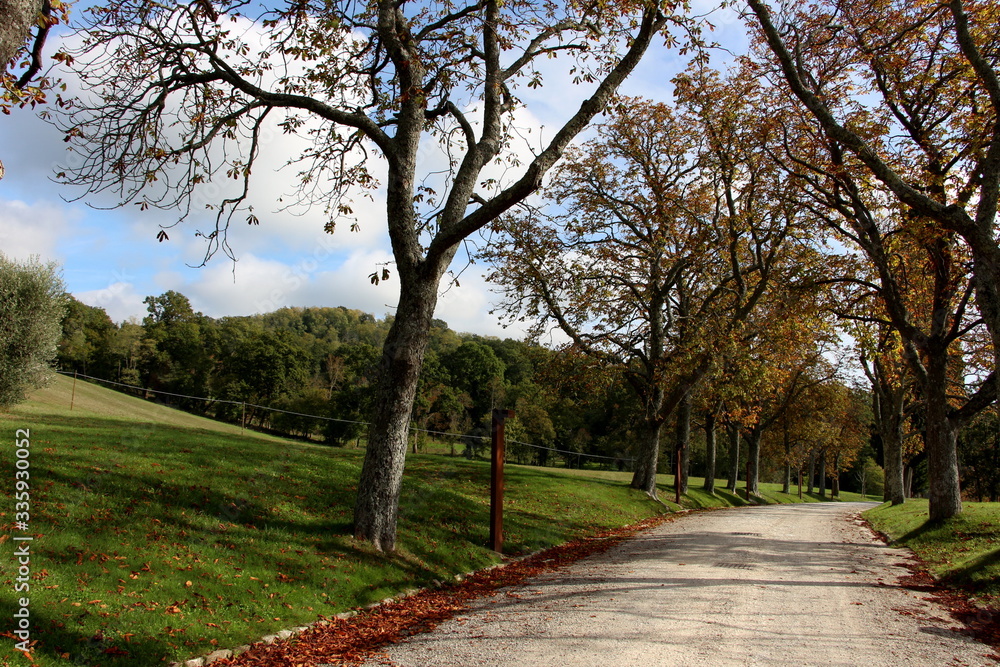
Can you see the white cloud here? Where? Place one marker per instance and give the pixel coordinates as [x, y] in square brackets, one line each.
[260, 285]
[119, 300]
[33, 229]
[321, 278]
[466, 307]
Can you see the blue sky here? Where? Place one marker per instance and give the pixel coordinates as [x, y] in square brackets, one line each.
[111, 258]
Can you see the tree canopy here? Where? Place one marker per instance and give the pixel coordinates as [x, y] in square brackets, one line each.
[32, 304]
[181, 96]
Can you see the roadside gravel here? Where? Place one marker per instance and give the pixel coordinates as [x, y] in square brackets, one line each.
[777, 585]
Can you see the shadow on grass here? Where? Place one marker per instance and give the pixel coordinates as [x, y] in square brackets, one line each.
[928, 526]
[970, 574]
[731, 497]
[58, 638]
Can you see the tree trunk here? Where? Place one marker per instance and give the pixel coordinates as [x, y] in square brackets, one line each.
[996, 459]
[821, 472]
[684, 439]
[786, 486]
[812, 471]
[753, 462]
[892, 452]
[835, 480]
[644, 477]
[734, 456]
[986, 263]
[377, 506]
[710, 451]
[19, 17]
[891, 432]
[888, 404]
[908, 482]
[941, 440]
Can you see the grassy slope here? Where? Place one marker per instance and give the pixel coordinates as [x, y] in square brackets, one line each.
[161, 534]
[964, 550]
[95, 400]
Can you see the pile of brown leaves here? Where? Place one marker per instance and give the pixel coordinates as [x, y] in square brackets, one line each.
[352, 641]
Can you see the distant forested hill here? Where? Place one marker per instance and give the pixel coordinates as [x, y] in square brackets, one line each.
[322, 361]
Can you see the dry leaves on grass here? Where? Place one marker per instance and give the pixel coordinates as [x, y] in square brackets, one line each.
[352, 641]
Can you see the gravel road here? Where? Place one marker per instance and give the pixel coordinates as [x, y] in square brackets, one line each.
[777, 585]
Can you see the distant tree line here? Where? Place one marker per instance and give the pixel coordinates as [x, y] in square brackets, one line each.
[322, 361]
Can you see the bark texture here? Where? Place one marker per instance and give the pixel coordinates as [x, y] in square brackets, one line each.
[821, 472]
[835, 480]
[644, 477]
[889, 420]
[753, 461]
[17, 17]
[811, 474]
[941, 442]
[684, 439]
[377, 506]
[786, 485]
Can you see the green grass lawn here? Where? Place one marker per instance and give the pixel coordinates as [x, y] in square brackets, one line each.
[963, 550]
[162, 535]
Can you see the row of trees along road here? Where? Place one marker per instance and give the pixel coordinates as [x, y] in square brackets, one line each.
[864, 119]
[672, 257]
[898, 147]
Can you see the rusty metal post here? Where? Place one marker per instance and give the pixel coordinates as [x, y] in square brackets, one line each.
[498, 445]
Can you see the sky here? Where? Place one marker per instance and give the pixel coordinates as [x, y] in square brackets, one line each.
[111, 258]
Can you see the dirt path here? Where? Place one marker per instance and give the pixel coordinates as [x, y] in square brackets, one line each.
[779, 585]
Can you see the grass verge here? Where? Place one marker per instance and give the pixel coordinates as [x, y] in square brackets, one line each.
[963, 551]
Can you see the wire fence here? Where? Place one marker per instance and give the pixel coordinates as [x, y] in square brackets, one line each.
[566, 453]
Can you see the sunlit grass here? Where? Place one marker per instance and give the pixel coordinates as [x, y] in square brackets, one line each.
[964, 550]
